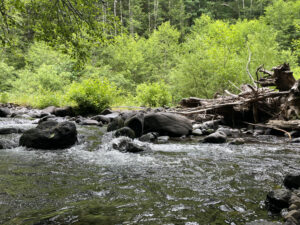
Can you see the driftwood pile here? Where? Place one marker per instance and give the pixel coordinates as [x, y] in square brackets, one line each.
[256, 103]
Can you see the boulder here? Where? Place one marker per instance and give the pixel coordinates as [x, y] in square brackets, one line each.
[292, 181]
[49, 110]
[126, 144]
[106, 112]
[136, 123]
[167, 124]
[64, 111]
[10, 130]
[1, 145]
[217, 137]
[89, 122]
[278, 200]
[4, 112]
[116, 124]
[101, 118]
[126, 132]
[50, 135]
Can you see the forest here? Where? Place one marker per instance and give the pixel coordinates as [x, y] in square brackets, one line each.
[95, 54]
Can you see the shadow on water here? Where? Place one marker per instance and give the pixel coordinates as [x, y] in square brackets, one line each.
[173, 183]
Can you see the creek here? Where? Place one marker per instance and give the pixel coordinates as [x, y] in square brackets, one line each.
[175, 183]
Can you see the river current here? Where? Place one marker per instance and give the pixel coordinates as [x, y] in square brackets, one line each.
[176, 183]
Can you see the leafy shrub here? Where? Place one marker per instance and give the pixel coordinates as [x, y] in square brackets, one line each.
[92, 95]
[6, 76]
[153, 94]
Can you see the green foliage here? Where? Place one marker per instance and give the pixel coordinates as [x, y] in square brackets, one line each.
[153, 94]
[6, 76]
[282, 16]
[92, 95]
[216, 53]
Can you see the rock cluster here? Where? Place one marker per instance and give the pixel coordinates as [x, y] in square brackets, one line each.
[286, 200]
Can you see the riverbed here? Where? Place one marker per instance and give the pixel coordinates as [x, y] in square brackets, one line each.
[175, 183]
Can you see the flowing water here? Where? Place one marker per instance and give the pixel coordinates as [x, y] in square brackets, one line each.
[175, 183]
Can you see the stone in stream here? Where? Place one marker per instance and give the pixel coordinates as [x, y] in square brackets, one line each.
[217, 137]
[136, 123]
[89, 122]
[11, 131]
[237, 141]
[49, 110]
[106, 112]
[163, 139]
[278, 200]
[150, 137]
[296, 140]
[116, 124]
[101, 118]
[293, 217]
[126, 144]
[1, 145]
[167, 124]
[292, 181]
[126, 132]
[197, 132]
[64, 111]
[4, 112]
[50, 135]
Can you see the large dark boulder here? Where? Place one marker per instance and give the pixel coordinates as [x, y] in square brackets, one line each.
[167, 124]
[292, 181]
[217, 137]
[116, 124]
[4, 112]
[136, 123]
[278, 200]
[50, 135]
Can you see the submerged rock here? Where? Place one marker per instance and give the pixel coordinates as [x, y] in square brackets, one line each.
[4, 112]
[50, 135]
[163, 139]
[237, 141]
[217, 137]
[126, 144]
[126, 132]
[167, 124]
[292, 181]
[11, 131]
[278, 200]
